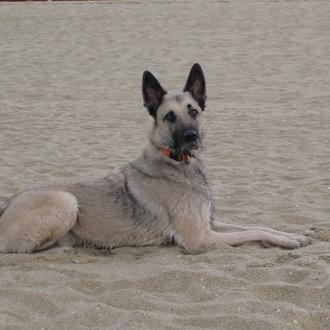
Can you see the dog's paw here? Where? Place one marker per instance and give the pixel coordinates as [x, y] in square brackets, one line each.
[303, 239]
[309, 232]
[292, 244]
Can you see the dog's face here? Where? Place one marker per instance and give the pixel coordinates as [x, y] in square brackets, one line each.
[178, 118]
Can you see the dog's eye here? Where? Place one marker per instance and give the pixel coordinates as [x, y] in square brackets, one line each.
[170, 117]
[193, 112]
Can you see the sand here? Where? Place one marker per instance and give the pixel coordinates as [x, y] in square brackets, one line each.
[71, 107]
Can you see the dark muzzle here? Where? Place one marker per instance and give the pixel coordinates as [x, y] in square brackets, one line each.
[190, 136]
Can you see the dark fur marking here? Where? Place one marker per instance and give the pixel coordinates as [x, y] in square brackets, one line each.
[139, 214]
[203, 176]
[141, 172]
[128, 192]
[133, 203]
[170, 117]
[152, 92]
[196, 86]
[193, 113]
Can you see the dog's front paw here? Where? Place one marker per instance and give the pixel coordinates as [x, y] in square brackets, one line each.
[309, 232]
[303, 239]
[292, 244]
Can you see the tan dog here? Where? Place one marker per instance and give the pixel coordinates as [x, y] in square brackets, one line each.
[161, 196]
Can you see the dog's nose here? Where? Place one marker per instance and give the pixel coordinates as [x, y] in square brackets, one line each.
[190, 136]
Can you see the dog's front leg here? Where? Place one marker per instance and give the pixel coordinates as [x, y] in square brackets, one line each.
[237, 238]
[228, 228]
[197, 235]
[198, 240]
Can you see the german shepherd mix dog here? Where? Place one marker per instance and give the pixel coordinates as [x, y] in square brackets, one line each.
[162, 196]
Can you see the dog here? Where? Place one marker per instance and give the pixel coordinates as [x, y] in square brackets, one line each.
[162, 196]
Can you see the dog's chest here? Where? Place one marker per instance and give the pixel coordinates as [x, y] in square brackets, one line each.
[177, 200]
[172, 194]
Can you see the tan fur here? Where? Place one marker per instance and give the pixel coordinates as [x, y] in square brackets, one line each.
[35, 220]
[152, 200]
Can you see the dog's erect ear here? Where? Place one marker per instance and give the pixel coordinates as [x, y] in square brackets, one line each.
[196, 85]
[153, 92]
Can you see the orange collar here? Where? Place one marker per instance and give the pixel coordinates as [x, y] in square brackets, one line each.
[178, 157]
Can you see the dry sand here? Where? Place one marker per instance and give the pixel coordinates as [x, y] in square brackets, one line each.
[70, 107]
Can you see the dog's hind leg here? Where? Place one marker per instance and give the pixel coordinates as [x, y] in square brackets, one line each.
[228, 228]
[35, 220]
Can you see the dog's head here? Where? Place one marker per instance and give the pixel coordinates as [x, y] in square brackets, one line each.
[177, 118]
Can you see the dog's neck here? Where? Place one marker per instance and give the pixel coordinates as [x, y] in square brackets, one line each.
[158, 153]
[179, 157]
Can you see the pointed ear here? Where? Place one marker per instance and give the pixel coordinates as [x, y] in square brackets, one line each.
[196, 85]
[152, 92]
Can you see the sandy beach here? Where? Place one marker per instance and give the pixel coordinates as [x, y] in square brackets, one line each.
[71, 107]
